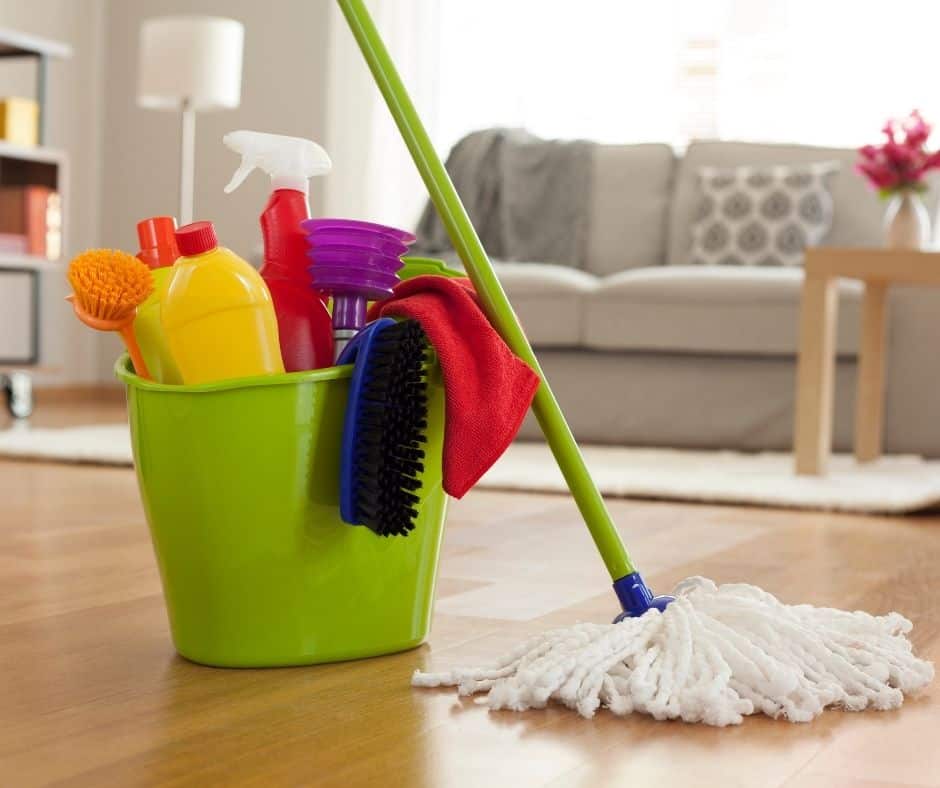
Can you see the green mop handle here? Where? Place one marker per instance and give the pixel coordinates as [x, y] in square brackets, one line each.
[495, 303]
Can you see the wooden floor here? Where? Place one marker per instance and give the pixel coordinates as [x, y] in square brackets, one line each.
[92, 694]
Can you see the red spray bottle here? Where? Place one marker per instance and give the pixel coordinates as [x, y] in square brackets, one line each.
[303, 321]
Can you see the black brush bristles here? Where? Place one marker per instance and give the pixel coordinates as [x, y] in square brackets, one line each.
[392, 421]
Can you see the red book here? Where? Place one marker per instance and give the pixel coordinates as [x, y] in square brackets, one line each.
[36, 213]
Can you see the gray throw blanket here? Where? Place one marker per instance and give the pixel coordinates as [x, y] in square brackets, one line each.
[527, 197]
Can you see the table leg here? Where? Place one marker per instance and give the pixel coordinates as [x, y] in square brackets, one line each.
[812, 438]
[869, 391]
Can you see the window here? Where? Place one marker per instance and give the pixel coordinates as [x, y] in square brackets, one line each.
[624, 71]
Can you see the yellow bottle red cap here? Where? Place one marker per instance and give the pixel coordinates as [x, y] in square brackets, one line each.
[196, 238]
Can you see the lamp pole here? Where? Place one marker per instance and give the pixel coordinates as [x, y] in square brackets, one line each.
[187, 160]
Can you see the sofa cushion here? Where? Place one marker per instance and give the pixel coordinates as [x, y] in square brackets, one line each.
[549, 300]
[857, 212]
[630, 192]
[708, 309]
[761, 215]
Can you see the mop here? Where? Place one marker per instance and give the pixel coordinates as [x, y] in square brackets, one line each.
[707, 653]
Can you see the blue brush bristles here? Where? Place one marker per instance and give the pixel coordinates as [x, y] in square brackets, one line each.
[382, 454]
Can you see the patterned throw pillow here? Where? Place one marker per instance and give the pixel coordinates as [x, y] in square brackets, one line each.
[762, 215]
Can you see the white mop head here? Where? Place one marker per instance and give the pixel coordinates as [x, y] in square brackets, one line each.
[715, 654]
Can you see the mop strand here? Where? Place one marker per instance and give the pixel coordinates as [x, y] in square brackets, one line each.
[716, 654]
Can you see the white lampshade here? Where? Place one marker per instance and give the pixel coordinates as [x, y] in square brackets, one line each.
[192, 59]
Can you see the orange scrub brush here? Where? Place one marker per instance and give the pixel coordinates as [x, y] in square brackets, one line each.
[109, 285]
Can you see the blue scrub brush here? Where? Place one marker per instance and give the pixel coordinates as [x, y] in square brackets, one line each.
[382, 458]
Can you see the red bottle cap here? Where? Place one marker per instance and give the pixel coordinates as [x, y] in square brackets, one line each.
[196, 238]
[157, 237]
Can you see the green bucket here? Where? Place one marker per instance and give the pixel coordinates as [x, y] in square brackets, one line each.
[239, 481]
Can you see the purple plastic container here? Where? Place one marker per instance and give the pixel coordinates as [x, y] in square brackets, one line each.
[354, 262]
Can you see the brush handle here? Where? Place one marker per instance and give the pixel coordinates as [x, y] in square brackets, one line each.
[495, 303]
[133, 349]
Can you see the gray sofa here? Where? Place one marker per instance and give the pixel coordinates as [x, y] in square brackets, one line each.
[643, 349]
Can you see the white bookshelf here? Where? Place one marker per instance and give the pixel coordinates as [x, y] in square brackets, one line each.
[20, 273]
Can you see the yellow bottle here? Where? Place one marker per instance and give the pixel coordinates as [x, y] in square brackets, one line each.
[217, 313]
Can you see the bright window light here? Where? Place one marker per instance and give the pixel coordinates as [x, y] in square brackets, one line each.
[811, 71]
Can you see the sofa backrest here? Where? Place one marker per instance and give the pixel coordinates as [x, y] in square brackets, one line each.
[858, 213]
[629, 212]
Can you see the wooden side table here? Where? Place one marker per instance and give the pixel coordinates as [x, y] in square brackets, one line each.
[878, 269]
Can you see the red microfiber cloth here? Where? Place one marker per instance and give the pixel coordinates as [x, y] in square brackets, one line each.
[488, 389]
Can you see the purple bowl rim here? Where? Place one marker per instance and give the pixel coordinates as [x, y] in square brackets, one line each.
[332, 286]
[391, 276]
[365, 259]
[359, 249]
[385, 269]
[311, 226]
[351, 230]
[352, 286]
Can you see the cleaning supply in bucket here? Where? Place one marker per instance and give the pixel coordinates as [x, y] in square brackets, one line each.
[302, 317]
[217, 313]
[158, 251]
[384, 429]
[354, 262]
[488, 389]
[710, 655]
[109, 285]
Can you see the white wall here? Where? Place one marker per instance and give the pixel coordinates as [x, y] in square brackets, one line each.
[75, 118]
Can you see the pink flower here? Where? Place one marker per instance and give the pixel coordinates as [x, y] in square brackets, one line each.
[902, 161]
[880, 177]
[916, 130]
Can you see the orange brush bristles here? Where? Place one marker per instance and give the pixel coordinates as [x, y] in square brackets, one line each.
[109, 284]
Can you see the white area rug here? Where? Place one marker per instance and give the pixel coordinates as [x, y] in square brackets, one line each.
[895, 484]
[101, 444]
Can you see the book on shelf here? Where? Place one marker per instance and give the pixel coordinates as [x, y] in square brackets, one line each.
[32, 214]
[13, 243]
[19, 120]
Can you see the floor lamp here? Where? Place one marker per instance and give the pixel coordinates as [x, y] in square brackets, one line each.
[189, 64]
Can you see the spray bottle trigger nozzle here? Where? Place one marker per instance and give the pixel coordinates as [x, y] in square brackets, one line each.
[289, 161]
[243, 171]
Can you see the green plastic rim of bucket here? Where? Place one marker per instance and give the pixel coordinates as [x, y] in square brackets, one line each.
[239, 481]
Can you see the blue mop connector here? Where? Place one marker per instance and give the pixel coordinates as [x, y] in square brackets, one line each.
[636, 598]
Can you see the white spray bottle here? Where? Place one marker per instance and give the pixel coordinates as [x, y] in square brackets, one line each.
[303, 320]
